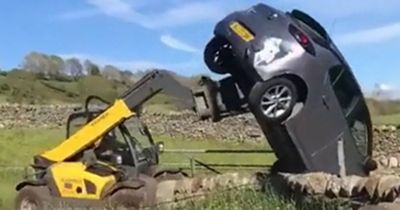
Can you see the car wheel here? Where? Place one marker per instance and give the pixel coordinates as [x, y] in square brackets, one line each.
[29, 198]
[274, 99]
[218, 55]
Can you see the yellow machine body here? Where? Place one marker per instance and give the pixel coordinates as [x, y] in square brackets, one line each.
[72, 180]
[90, 133]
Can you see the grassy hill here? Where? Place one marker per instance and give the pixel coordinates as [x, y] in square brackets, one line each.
[19, 86]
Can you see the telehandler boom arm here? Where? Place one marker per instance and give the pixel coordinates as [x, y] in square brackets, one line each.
[123, 108]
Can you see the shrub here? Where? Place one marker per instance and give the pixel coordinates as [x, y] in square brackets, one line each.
[97, 85]
[4, 87]
[22, 86]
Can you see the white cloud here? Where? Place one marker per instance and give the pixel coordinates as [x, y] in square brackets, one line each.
[177, 44]
[386, 87]
[385, 91]
[189, 13]
[115, 8]
[371, 36]
[79, 14]
[173, 13]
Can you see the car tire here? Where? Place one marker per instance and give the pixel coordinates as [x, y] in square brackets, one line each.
[212, 51]
[274, 99]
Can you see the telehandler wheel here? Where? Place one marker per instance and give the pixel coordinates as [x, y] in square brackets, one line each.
[164, 176]
[127, 199]
[30, 198]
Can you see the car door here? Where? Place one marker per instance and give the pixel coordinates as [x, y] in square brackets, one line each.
[357, 133]
[349, 138]
[316, 128]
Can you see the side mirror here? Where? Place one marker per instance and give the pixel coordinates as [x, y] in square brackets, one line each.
[160, 147]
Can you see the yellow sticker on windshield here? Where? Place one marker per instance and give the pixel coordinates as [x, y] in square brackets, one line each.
[241, 31]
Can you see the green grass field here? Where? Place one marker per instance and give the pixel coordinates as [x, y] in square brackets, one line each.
[20, 145]
[393, 119]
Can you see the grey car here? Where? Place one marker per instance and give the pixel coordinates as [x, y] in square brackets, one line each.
[286, 70]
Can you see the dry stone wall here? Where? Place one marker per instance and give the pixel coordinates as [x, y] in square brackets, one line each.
[186, 124]
[381, 186]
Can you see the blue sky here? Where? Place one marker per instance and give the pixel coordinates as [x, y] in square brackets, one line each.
[137, 34]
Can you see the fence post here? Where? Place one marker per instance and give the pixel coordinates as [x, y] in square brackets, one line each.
[25, 173]
[192, 167]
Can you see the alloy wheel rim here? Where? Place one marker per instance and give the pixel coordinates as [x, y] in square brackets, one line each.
[276, 101]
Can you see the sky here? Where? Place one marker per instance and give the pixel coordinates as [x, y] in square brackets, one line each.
[171, 34]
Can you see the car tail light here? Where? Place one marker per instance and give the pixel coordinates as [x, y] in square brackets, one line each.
[302, 39]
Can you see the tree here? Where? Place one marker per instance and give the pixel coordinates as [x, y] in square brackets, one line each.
[35, 62]
[73, 67]
[48, 66]
[128, 77]
[56, 66]
[112, 73]
[91, 68]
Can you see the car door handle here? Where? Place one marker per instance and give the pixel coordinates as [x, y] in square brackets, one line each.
[325, 101]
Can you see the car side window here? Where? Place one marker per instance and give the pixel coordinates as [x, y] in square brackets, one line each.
[353, 106]
[345, 88]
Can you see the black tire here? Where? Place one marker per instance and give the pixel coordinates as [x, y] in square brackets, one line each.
[164, 176]
[223, 64]
[125, 199]
[30, 195]
[258, 91]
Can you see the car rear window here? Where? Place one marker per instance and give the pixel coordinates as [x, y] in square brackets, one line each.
[310, 31]
[310, 26]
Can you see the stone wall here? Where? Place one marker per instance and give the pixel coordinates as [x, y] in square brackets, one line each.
[186, 124]
[381, 186]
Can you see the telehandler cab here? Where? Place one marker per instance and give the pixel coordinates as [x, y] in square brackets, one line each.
[108, 159]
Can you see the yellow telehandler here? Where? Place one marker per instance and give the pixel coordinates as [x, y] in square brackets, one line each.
[111, 160]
